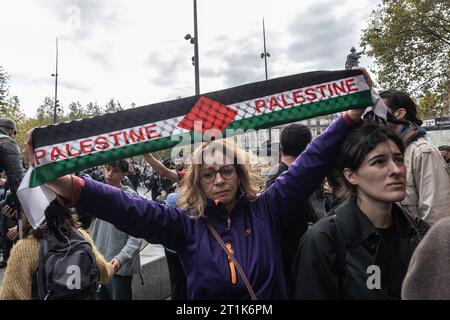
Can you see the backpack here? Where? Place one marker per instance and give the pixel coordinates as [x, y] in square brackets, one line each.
[67, 270]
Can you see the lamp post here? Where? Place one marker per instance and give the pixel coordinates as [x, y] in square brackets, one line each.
[195, 59]
[55, 108]
[265, 54]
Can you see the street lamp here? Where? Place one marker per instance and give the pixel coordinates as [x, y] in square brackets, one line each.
[194, 41]
[55, 108]
[265, 54]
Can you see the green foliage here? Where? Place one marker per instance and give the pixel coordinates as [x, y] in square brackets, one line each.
[3, 88]
[76, 111]
[45, 111]
[13, 110]
[112, 106]
[93, 109]
[410, 40]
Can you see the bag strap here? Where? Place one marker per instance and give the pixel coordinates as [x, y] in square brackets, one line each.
[241, 272]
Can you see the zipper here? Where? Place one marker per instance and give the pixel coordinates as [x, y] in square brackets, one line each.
[228, 223]
[231, 264]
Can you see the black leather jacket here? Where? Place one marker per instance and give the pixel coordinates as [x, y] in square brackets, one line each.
[10, 160]
[334, 255]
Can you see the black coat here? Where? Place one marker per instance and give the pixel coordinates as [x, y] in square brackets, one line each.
[333, 256]
[294, 230]
[10, 161]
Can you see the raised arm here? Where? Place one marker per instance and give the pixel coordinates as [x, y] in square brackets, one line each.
[306, 173]
[161, 169]
[137, 216]
[134, 215]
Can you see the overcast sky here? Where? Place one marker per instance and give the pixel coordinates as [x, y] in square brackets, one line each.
[134, 50]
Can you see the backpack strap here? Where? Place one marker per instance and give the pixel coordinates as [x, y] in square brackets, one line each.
[38, 292]
[238, 266]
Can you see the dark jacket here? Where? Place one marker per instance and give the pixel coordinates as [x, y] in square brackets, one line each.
[295, 229]
[333, 257]
[253, 231]
[10, 160]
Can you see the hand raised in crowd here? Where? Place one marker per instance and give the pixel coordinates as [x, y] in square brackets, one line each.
[12, 233]
[326, 187]
[366, 76]
[116, 264]
[2, 182]
[9, 212]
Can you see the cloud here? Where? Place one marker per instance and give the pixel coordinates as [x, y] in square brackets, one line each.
[321, 38]
[235, 63]
[73, 85]
[84, 17]
[101, 58]
[165, 68]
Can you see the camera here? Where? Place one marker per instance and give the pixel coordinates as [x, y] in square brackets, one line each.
[10, 199]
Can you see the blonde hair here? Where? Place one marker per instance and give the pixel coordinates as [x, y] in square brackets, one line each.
[193, 198]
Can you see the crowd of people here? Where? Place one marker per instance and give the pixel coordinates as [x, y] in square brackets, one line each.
[230, 233]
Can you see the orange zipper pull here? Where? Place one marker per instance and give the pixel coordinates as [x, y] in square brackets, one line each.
[231, 264]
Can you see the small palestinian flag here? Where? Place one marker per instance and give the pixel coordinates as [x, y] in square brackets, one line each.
[68, 147]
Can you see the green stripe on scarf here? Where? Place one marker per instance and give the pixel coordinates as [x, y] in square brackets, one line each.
[57, 169]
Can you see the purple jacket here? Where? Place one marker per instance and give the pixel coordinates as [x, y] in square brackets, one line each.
[254, 231]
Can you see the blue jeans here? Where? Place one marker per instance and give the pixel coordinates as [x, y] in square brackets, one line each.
[119, 288]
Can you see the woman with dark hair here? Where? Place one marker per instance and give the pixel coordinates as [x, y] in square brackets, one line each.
[363, 250]
[24, 258]
[427, 175]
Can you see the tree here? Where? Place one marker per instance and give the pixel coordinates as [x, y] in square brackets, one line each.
[44, 113]
[13, 110]
[112, 106]
[3, 88]
[410, 40]
[77, 111]
[93, 109]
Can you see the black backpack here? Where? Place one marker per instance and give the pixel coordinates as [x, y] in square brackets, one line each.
[67, 270]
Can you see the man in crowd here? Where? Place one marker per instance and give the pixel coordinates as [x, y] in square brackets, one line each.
[427, 174]
[9, 162]
[117, 246]
[293, 141]
[445, 152]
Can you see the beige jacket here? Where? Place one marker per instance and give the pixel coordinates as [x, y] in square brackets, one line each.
[427, 182]
[428, 275]
[24, 260]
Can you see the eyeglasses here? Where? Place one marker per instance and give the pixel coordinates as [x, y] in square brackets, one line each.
[209, 175]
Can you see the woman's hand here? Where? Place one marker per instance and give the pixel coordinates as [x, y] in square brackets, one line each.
[28, 154]
[62, 185]
[356, 114]
[366, 76]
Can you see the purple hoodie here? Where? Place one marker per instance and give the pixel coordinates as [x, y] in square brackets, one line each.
[253, 229]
